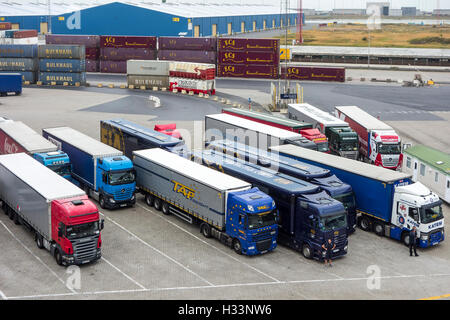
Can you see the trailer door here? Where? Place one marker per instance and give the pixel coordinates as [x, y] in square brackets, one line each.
[415, 169]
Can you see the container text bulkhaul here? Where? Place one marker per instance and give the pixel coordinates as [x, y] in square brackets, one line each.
[59, 78]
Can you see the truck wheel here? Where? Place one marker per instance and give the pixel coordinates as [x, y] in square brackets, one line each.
[378, 227]
[406, 239]
[205, 229]
[18, 93]
[58, 257]
[157, 204]
[101, 201]
[16, 219]
[149, 200]
[365, 223]
[306, 251]
[237, 246]
[165, 208]
[11, 213]
[39, 241]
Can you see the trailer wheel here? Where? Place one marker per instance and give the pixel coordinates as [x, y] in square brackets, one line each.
[157, 204]
[16, 219]
[165, 208]
[365, 223]
[11, 213]
[237, 247]
[149, 200]
[306, 251]
[378, 227]
[205, 229]
[58, 257]
[39, 241]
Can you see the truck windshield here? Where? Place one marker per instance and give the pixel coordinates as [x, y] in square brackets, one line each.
[261, 220]
[389, 148]
[82, 230]
[352, 146]
[332, 223]
[62, 169]
[348, 200]
[322, 147]
[431, 213]
[121, 177]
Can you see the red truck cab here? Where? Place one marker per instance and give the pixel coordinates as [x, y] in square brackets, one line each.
[76, 227]
[169, 129]
[318, 138]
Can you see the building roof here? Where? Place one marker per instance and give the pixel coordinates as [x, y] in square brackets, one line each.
[434, 158]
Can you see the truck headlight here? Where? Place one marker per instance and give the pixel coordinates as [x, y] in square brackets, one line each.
[345, 248]
[424, 237]
[251, 248]
[112, 200]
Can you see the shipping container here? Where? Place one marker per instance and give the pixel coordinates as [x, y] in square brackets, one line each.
[6, 41]
[121, 54]
[127, 42]
[87, 41]
[26, 75]
[192, 70]
[195, 85]
[62, 65]
[177, 43]
[188, 56]
[56, 51]
[92, 66]
[18, 64]
[10, 33]
[313, 73]
[248, 57]
[18, 51]
[92, 53]
[113, 66]
[25, 34]
[148, 81]
[247, 71]
[148, 67]
[60, 78]
[5, 25]
[33, 40]
[237, 44]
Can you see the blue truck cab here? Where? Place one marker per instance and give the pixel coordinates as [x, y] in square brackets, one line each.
[103, 172]
[316, 175]
[57, 161]
[10, 82]
[307, 216]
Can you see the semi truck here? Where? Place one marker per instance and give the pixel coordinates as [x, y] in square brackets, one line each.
[10, 82]
[15, 137]
[342, 140]
[224, 126]
[226, 208]
[321, 177]
[387, 202]
[379, 144]
[103, 172]
[305, 129]
[60, 215]
[128, 136]
[307, 216]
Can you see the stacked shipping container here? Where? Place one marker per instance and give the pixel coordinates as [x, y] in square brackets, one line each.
[248, 58]
[8, 36]
[313, 73]
[199, 50]
[62, 64]
[21, 59]
[190, 76]
[116, 50]
[148, 74]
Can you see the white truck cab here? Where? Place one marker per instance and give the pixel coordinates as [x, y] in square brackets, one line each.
[385, 149]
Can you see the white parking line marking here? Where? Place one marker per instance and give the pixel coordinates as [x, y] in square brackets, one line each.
[159, 251]
[203, 241]
[39, 259]
[124, 274]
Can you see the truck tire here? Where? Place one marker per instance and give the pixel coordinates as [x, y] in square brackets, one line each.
[11, 213]
[205, 230]
[58, 257]
[405, 238]
[307, 251]
[149, 199]
[365, 223]
[237, 247]
[39, 241]
[378, 228]
[165, 208]
[101, 201]
[157, 204]
[16, 219]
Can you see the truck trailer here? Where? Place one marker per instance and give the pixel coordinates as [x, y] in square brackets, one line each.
[386, 201]
[307, 216]
[342, 140]
[379, 144]
[226, 208]
[321, 177]
[102, 171]
[224, 126]
[64, 221]
[15, 137]
[10, 82]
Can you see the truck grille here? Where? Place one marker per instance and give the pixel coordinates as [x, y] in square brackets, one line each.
[123, 194]
[263, 245]
[262, 236]
[350, 155]
[390, 161]
[436, 236]
[85, 250]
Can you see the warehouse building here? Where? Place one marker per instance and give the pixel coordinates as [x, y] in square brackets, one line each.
[144, 18]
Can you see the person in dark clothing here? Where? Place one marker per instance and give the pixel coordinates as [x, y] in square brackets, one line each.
[328, 246]
[413, 241]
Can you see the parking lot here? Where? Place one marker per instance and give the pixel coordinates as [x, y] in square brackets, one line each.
[147, 255]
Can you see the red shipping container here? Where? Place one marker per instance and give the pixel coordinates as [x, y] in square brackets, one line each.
[5, 25]
[92, 53]
[188, 56]
[314, 73]
[127, 42]
[113, 66]
[246, 57]
[92, 66]
[238, 44]
[247, 71]
[121, 54]
[87, 41]
[177, 43]
[25, 34]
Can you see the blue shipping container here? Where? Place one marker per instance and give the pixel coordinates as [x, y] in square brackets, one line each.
[18, 64]
[10, 82]
[60, 78]
[26, 75]
[62, 65]
[18, 51]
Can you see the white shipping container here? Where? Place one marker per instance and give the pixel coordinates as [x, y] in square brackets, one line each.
[190, 67]
[6, 41]
[148, 67]
[194, 84]
[33, 40]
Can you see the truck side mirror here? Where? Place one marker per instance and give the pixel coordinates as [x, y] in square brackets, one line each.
[60, 231]
[102, 224]
[104, 177]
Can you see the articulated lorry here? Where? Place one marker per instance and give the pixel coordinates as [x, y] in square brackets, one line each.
[307, 216]
[102, 171]
[379, 144]
[224, 126]
[128, 136]
[342, 140]
[387, 202]
[226, 208]
[64, 221]
[15, 137]
[304, 171]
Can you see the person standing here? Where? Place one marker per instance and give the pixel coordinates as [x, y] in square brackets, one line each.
[413, 241]
[328, 246]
